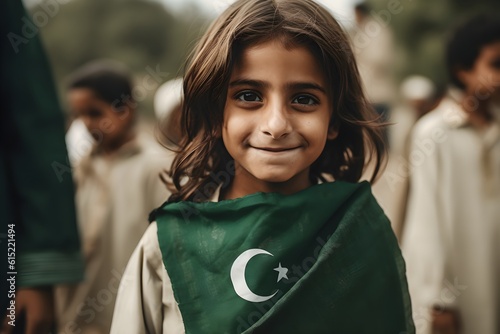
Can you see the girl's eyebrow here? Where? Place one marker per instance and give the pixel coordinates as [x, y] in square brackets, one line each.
[249, 82]
[305, 85]
[289, 86]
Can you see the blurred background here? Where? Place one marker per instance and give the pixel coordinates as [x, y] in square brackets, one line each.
[154, 37]
[157, 35]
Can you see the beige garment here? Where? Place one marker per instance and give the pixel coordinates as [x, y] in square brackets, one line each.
[115, 194]
[451, 241]
[145, 302]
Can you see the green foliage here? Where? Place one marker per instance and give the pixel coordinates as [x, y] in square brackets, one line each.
[421, 30]
[143, 34]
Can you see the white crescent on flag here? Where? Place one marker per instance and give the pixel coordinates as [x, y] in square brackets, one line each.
[238, 276]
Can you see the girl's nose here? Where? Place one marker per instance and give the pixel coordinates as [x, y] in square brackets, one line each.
[275, 121]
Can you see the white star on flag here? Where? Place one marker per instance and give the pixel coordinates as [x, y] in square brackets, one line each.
[281, 272]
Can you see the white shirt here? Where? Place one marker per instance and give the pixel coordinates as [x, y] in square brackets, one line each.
[451, 242]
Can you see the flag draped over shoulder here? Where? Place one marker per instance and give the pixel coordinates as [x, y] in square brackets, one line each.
[323, 260]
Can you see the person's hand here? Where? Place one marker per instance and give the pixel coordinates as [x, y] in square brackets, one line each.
[445, 321]
[34, 311]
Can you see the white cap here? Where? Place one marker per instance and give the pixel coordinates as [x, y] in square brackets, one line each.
[79, 141]
[417, 87]
[167, 98]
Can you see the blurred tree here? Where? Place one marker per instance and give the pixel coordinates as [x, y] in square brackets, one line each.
[142, 34]
[421, 29]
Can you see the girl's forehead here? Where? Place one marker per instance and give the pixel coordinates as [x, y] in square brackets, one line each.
[273, 54]
[283, 43]
[272, 50]
[282, 38]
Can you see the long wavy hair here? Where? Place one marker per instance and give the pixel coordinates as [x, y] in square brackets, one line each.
[202, 157]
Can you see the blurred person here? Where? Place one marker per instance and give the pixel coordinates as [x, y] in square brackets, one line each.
[39, 239]
[373, 46]
[418, 95]
[118, 184]
[452, 237]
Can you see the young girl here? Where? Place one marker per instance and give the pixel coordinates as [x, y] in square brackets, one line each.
[254, 239]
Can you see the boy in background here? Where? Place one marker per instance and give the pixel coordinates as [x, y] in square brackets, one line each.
[451, 241]
[118, 185]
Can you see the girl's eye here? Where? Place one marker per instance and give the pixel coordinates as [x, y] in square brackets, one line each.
[305, 100]
[248, 97]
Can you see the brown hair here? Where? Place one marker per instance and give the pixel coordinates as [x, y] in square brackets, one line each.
[202, 159]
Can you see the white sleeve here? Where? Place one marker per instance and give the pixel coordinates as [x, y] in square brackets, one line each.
[145, 301]
[422, 243]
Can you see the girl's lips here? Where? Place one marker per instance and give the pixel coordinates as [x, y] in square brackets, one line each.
[276, 149]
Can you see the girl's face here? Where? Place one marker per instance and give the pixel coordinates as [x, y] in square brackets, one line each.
[276, 119]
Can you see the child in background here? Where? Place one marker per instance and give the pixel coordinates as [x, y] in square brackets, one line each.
[118, 185]
[452, 236]
[254, 239]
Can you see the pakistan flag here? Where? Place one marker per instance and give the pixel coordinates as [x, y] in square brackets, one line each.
[323, 260]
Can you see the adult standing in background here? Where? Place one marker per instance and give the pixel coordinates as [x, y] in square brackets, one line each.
[37, 205]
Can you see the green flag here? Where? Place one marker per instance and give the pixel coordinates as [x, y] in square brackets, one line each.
[323, 260]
